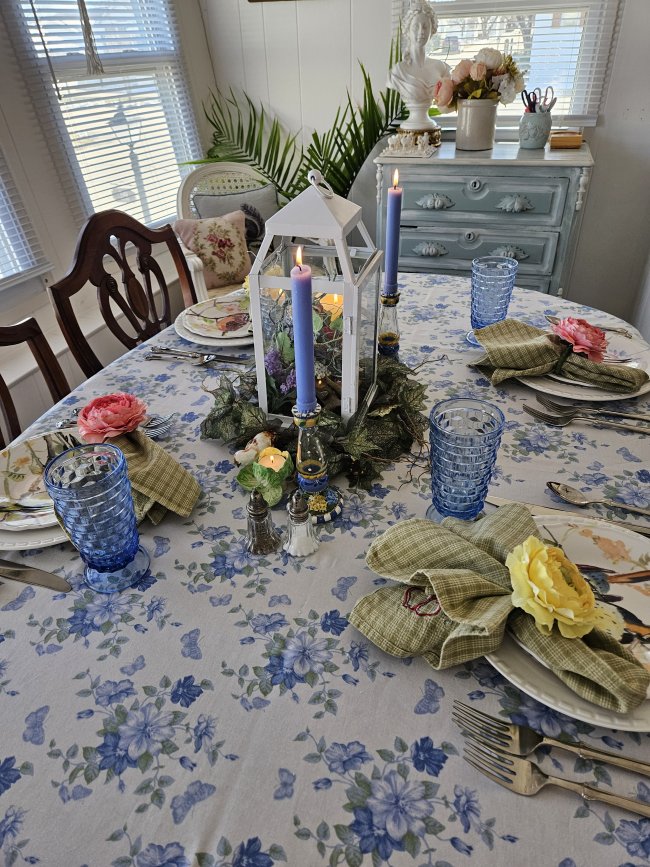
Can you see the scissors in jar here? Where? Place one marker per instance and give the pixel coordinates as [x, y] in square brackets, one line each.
[546, 102]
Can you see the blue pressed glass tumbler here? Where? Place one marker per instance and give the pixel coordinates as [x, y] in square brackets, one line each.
[92, 498]
[464, 436]
[493, 279]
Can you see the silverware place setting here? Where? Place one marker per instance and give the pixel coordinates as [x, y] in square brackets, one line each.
[562, 420]
[197, 358]
[614, 330]
[498, 749]
[577, 498]
[566, 409]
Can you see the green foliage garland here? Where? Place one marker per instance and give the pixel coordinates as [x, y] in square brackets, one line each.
[361, 449]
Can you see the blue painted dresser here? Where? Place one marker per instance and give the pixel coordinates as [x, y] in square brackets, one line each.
[458, 205]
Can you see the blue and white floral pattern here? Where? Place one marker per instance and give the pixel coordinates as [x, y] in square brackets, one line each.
[224, 712]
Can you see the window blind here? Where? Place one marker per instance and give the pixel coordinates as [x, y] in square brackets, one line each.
[567, 44]
[118, 137]
[20, 253]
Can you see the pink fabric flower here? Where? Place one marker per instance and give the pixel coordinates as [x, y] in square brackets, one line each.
[585, 338]
[461, 71]
[444, 92]
[109, 416]
[478, 71]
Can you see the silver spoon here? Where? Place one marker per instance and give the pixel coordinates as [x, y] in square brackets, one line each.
[577, 498]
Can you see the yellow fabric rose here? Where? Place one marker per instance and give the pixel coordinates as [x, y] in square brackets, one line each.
[547, 585]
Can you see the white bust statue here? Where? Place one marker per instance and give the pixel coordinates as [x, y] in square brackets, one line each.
[416, 75]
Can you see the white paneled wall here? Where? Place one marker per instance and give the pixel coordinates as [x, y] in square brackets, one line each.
[299, 57]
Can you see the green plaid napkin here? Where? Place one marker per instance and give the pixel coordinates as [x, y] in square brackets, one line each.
[455, 574]
[514, 348]
[158, 482]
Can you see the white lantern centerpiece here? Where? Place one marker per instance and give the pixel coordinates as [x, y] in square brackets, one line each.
[345, 279]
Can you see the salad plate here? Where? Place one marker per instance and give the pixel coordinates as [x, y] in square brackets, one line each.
[606, 550]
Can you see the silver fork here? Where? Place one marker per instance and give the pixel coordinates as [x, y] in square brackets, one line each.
[525, 778]
[564, 409]
[564, 420]
[498, 735]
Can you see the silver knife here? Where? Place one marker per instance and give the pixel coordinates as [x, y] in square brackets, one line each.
[31, 575]
[535, 509]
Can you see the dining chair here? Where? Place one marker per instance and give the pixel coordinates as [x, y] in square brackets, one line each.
[215, 190]
[28, 331]
[113, 244]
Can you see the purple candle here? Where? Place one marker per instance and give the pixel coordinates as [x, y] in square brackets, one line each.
[303, 334]
[393, 216]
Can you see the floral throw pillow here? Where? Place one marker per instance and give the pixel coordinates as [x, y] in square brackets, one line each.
[220, 243]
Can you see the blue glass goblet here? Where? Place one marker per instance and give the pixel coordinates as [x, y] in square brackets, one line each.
[464, 436]
[493, 279]
[92, 499]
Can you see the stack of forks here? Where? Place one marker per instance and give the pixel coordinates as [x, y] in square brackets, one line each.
[498, 749]
[565, 414]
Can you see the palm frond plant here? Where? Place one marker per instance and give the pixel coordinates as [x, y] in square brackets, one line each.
[248, 134]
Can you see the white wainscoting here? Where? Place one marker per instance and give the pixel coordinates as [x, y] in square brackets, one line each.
[299, 57]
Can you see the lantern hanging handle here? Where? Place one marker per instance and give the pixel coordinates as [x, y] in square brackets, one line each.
[320, 184]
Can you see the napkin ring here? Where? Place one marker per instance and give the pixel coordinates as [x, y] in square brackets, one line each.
[418, 607]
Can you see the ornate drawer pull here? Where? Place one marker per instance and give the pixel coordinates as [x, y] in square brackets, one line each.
[435, 202]
[516, 203]
[475, 184]
[430, 248]
[510, 251]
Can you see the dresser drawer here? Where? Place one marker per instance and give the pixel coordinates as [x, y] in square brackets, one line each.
[454, 248]
[511, 200]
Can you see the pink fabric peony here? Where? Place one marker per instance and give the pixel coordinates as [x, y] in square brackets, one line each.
[443, 92]
[478, 71]
[585, 338]
[461, 71]
[109, 416]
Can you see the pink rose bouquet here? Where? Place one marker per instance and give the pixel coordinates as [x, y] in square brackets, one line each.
[109, 416]
[585, 339]
[490, 75]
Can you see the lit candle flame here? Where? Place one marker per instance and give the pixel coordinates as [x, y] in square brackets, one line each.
[395, 179]
[299, 257]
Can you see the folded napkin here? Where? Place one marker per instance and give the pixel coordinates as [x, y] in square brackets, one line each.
[514, 348]
[158, 482]
[456, 605]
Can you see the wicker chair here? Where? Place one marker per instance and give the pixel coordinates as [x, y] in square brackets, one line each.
[215, 189]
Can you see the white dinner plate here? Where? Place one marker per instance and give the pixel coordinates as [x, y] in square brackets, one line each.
[183, 331]
[219, 319]
[27, 540]
[561, 386]
[608, 547]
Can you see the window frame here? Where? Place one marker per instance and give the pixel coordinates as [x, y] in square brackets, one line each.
[611, 17]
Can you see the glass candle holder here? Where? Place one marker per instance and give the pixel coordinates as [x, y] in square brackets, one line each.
[92, 499]
[493, 279]
[464, 435]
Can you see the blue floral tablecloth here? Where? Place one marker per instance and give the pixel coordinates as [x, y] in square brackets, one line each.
[224, 712]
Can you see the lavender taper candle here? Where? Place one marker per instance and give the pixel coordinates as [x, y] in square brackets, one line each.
[303, 334]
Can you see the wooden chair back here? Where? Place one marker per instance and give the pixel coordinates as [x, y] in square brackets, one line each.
[108, 237]
[28, 331]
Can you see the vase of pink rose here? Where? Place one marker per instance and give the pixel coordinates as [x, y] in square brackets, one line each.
[475, 88]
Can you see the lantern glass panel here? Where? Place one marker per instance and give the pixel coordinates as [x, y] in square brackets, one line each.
[328, 292]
